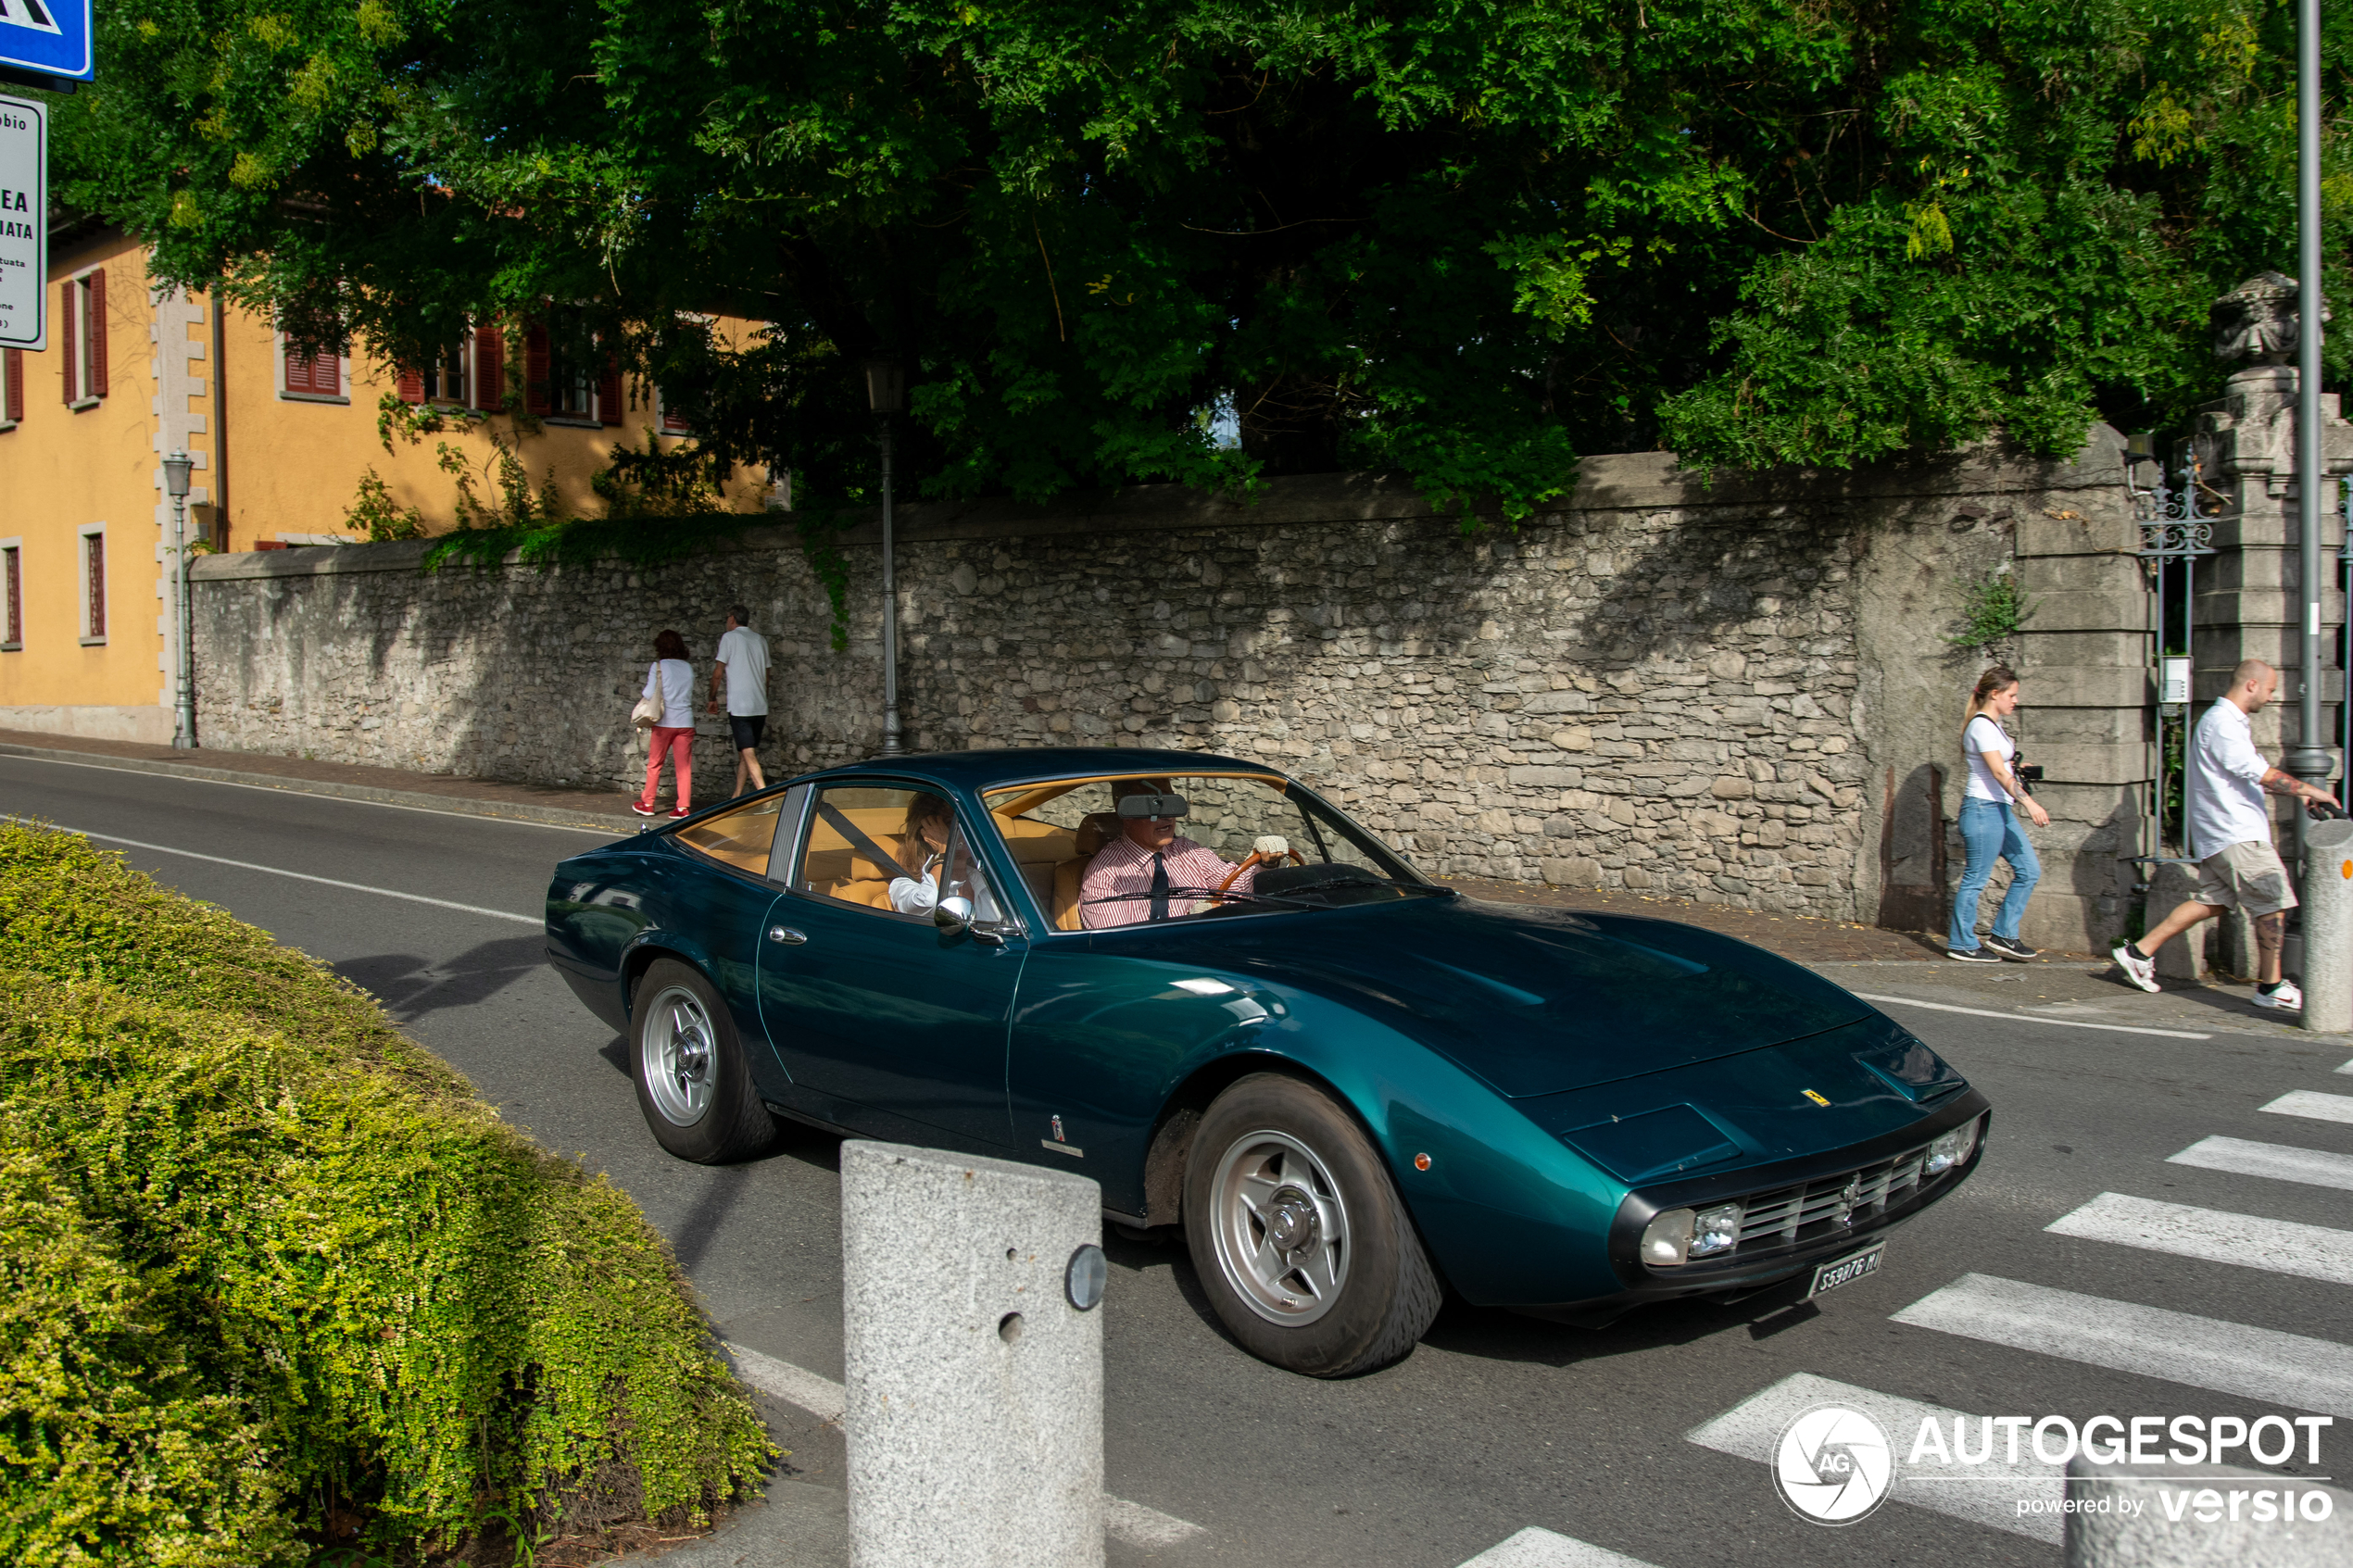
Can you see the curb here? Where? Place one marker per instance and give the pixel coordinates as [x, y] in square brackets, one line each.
[458, 805]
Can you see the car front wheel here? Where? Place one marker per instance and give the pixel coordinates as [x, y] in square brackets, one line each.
[693, 1084]
[1300, 1237]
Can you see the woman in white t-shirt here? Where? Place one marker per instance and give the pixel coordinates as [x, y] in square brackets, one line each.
[670, 680]
[1990, 830]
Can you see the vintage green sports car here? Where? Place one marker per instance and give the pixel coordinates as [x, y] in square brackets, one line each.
[1197, 981]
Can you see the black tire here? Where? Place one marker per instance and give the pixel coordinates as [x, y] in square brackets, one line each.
[706, 1108]
[1354, 1306]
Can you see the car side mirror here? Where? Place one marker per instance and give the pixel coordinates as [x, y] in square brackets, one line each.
[953, 915]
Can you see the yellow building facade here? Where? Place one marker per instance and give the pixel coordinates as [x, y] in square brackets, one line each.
[281, 443]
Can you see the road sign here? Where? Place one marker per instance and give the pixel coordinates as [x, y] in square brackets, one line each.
[24, 222]
[51, 37]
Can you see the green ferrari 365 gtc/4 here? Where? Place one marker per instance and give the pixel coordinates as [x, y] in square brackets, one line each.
[1194, 980]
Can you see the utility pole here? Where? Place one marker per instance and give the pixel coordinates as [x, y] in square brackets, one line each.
[175, 481]
[886, 393]
[2309, 759]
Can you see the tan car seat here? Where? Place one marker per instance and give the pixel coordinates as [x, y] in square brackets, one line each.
[1096, 830]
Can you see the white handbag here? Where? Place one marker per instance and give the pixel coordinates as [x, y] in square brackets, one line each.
[645, 716]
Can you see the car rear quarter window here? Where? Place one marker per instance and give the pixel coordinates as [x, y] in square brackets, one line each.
[744, 837]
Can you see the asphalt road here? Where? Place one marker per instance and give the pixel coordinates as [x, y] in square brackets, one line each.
[1495, 1423]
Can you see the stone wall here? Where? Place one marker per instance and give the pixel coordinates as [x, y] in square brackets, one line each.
[1739, 692]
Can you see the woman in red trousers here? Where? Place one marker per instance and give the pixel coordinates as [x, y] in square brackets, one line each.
[670, 680]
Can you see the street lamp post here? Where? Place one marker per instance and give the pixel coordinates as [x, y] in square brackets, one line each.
[175, 483]
[886, 394]
[2309, 759]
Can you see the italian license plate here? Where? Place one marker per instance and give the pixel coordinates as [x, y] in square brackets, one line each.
[1846, 1270]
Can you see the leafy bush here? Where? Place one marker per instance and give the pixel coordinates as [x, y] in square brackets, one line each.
[272, 1273]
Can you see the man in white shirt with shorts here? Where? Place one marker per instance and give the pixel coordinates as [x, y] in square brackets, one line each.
[743, 665]
[2231, 836]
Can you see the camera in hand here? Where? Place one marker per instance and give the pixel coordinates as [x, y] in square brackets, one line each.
[2028, 775]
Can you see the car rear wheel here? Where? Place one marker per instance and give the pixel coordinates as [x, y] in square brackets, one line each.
[1301, 1240]
[693, 1084]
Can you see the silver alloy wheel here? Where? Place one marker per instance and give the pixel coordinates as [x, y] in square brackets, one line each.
[677, 1056]
[1281, 1228]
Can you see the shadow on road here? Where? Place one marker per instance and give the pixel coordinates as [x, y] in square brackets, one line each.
[410, 987]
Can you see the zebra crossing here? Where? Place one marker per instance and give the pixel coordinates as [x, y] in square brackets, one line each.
[2294, 1371]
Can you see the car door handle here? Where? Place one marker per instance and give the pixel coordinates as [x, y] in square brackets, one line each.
[788, 935]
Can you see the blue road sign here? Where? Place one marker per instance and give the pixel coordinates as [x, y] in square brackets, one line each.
[49, 36]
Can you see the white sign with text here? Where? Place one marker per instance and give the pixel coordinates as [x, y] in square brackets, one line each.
[24, 223]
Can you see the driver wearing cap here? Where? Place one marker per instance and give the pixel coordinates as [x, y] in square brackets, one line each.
[1131, 878]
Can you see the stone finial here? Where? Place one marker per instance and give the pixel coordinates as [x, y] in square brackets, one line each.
[2256, 321]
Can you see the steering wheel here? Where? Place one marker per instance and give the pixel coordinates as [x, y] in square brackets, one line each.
[1259, 857]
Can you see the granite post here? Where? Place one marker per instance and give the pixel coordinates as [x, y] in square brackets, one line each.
[974, 1404]
[2328, 926]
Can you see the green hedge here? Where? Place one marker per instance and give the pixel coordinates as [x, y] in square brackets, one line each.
[270, 1270]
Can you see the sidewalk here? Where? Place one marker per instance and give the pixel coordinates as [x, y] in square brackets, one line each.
[1863, 958]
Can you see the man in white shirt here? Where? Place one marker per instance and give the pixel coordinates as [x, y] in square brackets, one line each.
[743, 665]
[2231, 836]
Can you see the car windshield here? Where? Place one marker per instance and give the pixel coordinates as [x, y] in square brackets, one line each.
[1128, 848]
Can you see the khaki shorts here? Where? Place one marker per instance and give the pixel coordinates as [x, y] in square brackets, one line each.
[2247, 876]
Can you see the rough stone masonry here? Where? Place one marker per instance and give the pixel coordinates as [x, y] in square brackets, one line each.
[1731, 692]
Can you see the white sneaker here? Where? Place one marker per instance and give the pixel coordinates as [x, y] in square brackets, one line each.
[2287, 999]
[2140, 971]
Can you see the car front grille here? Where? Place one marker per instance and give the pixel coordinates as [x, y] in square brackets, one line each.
[1787, 1216]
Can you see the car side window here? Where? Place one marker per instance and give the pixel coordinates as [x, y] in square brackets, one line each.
[744, 838]
[889, 848]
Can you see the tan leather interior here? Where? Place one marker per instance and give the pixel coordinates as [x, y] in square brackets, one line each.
[830, 866]
[741, 839]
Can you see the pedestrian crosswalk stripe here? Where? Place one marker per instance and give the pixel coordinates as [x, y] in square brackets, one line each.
[2314, 1167]
[2214, 1235]
[2313, 1103]
[2347, 1068]
[1534, 1548]
[1752, 1428]
[2229, 1357]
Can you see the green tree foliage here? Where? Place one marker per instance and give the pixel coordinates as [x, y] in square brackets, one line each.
[271, 1269]
[1460, 238]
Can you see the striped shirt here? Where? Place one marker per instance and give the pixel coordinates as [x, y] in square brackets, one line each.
[1124, 866]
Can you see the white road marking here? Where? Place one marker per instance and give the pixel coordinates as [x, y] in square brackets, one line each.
[2312, 1103]
[1984, 1494]
[2314, 1167]
[1534, 1548]
[2229, 1357]
[621, 830]
[2031, 1018]
[2313, 1251]
[275, 871]
[822, 1397]
[2347, 1068]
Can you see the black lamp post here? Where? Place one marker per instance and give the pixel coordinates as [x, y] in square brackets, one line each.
[175, 484]
[885, 395]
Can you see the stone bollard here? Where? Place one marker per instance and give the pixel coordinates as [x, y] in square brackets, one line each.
[975, 1406]
[2184, 958]
[2211, 1516]
[2328, 926]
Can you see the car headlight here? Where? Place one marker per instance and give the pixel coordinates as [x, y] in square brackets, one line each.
[1667, 1240]
[1716, 1230]
[1954, 1149]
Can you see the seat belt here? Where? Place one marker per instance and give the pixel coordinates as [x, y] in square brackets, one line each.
[859, 842]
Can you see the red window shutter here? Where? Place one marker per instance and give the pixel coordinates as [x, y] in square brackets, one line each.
[534, 370]
[326, 373]
[609, 404]
[412, 386]
[297, 369]
[98, 342]
[65, 324]
[95, 543]
[672, 421]
[490, 362]
[14, 383]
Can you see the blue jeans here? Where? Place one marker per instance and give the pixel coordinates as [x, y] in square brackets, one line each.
[1991, 833]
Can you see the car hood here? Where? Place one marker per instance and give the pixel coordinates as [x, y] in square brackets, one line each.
[1537, 1001]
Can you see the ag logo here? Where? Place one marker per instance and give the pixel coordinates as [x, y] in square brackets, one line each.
[1832, 1465]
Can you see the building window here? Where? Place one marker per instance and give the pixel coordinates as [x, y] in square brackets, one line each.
[12, 585]
[566, 382]
[672, 421]
[11, 387]
[311, 375]
[82, 317]
[94, 584]
[443, 381]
